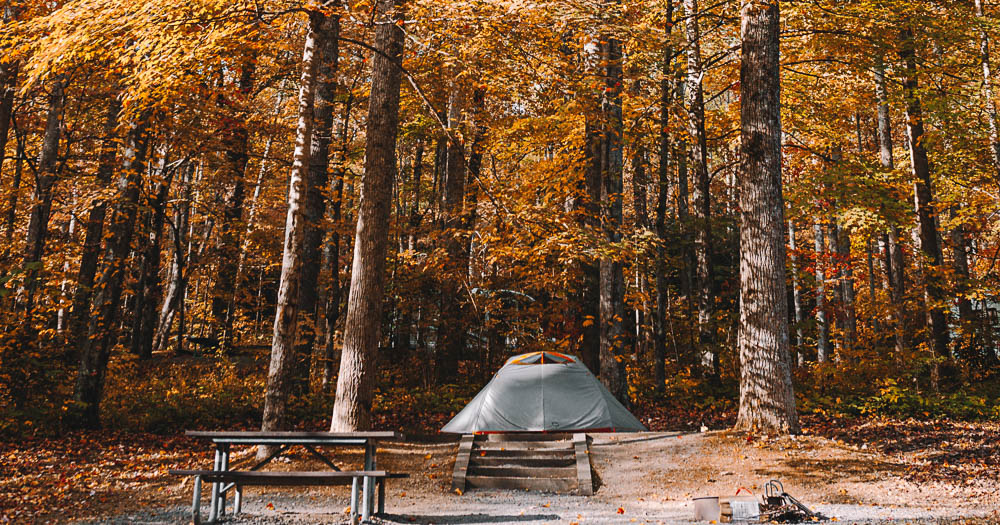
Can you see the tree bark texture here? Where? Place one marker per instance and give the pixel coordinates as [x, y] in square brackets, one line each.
[280, 372]
[356, 380]
[94, 349]
[767, 400]
[923, 198]
[612, 297]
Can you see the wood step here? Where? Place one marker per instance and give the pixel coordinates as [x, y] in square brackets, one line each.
[524, 436]
[546, 454]
[491, 461]
[525, 445]
[523, 472]
[523, 483]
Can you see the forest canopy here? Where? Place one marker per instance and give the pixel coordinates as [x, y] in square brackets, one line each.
[222, 213]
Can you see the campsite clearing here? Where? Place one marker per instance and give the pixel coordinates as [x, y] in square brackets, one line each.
[650, 477]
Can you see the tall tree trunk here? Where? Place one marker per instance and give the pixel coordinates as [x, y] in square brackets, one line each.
[413, 222]
[41, 198]
[142, 336]
[796, 295]
[842, 242]
[702, 187]
[590, 295]
[991, 107]
[451, 332]
[767, 400]
[663, 188]
[235, 138]
[898, 318]
[612, 303]
[91, 254]
[314, 204]
[356, 380]
[822, 324]
[281, 371]
[335, 290]
[923, 198]
[173, 301]
[94, 349]
[10, 214]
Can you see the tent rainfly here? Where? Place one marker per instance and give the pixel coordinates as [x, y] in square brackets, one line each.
[543, 392]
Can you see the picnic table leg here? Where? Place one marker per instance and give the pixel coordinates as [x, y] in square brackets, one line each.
[381, 497]
[366, 507]
[222, 494]
[238, 500]
[196, 504]
[213, 513]
[354, 500]
[369, 490]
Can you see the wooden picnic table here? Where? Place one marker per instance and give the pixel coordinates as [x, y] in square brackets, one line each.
[223, 479]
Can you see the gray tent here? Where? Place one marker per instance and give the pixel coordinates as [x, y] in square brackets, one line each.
[543, 391]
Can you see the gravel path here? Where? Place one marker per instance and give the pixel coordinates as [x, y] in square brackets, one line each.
[644, 478]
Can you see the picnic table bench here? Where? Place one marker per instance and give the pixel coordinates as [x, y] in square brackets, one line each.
[368, 479]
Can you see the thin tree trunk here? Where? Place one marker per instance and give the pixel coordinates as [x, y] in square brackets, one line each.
[176, 286]
[452, 329]
[822, 324]
[702, 189]
[91, 254]
[335, 291]
[95, 347]
[235, 139]
[991, 107]
[590, 310]
[142, 338]
[414, 219]
[612, 302]
[923, 198]
[842, 242]
[663, 188]
[896, 268]
[796, 295]
[41, 199]
[314, 203]
[281, 371]
[767, 400]
[356, 380]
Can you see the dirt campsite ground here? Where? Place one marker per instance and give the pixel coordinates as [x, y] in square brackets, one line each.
[856, 472]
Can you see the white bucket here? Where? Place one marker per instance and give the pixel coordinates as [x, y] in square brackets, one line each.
[707, 509]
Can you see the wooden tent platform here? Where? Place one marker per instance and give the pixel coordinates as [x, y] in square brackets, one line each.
[530, 461]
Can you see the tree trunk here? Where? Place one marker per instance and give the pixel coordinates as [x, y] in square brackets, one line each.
[663, 188]
[173, 301]
[822, 324]
[923, 198]
[847, 295]
[702, 188]
[335, 291]
[314, 203]
[152, 289]
[991, 107]
[235, 139]
[451, 331]
[612, 297]
[356, 380]
[41, 199]
[767, 400]
[281, 371]
[91, 254]
[898, 318]
[796, 295]
[590, 295]
[94, 349]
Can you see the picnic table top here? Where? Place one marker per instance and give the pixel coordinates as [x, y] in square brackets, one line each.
[332, 437]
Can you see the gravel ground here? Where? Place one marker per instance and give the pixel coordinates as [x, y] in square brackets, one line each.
[644, 478]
